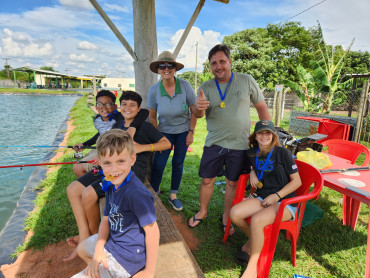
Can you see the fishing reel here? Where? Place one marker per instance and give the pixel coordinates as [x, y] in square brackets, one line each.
[78, 155]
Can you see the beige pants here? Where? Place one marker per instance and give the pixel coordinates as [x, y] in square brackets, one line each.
[115, 270]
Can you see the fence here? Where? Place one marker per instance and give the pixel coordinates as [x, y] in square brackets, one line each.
[347, 104]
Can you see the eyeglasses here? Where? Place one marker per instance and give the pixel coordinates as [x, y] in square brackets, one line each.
[107, 105]
[164, 66]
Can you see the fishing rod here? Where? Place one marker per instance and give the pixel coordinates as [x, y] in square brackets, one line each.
[344, 170]
[45, 164]
[42, 146]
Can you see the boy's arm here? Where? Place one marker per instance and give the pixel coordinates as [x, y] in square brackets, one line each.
[153, 117]
[139, 119]
[92, 140]
[99, 255]
[162, 144]
[152, 246]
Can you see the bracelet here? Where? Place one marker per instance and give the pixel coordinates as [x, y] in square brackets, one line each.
[152, 147]
[278, 196]
[191, 130]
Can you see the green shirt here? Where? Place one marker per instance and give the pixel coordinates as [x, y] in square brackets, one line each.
[229, 127]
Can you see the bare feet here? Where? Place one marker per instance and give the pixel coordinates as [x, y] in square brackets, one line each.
[73, 241]
[71, 256]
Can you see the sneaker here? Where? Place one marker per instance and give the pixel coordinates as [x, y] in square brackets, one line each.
[176, 204]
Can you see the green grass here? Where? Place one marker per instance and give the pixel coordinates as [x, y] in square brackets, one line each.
[36, 91]
[325, 248]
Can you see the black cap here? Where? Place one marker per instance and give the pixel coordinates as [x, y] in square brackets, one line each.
[264, 125]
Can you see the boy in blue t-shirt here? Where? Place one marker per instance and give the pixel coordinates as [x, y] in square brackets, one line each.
[128, 238]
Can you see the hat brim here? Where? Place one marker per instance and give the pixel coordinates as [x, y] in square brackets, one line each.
[154, 65]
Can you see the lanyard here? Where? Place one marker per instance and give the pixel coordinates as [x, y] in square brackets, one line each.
[222, 96]
[262, 169]
[112, 115]
[106, 184]
[122, 125]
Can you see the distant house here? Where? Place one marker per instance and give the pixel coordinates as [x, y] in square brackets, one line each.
[118, 84]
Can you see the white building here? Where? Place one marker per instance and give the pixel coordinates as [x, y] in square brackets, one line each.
[118, 84]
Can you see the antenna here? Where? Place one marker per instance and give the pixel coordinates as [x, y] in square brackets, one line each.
[6, 66]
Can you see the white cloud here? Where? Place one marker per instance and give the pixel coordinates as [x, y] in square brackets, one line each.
[85, 45]
[16, 44]
[77, 4]
[206, 41]
[82, 58]
[113, 7]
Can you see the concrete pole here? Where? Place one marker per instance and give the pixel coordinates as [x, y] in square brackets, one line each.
[145, 45]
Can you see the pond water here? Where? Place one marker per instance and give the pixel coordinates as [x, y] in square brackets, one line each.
[26, 120]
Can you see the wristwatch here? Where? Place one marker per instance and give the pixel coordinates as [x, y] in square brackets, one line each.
[191, 130]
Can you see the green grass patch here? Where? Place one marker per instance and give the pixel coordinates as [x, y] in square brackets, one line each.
[36, 91]
[325, 248]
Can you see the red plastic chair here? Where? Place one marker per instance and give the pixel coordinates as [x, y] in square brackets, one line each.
[346, 149]
[351, 151]
[309, 175]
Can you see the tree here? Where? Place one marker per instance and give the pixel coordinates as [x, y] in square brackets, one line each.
[327, 71]
[251, 52]
[47, 68]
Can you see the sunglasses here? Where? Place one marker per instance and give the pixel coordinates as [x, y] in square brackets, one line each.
[164, 66]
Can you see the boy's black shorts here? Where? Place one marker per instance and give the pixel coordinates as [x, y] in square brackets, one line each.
[95, 181]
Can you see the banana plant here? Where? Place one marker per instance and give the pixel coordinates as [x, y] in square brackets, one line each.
[327, 72]
[305, 90]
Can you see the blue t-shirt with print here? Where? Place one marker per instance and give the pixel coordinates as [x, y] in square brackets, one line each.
[129, 209]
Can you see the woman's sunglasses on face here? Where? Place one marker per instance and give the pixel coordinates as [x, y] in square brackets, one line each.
[164, 66]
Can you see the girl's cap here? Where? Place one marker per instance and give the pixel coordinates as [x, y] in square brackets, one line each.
[264, 125]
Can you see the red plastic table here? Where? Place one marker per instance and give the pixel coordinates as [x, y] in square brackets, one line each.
[357, 189]
[334, 129]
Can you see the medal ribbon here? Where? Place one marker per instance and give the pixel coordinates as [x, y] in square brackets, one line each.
[223, 96]
[106, 184]
[262, 169]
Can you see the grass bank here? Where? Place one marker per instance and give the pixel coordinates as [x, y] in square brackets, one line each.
[36, 91]
[325, 248]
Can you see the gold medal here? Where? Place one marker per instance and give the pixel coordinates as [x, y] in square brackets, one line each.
[222, 104]
[259, 184]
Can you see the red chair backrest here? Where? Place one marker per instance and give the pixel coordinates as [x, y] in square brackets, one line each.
[347, 150]
[309, 174]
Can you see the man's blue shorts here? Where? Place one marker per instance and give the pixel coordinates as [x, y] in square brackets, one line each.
[218, 161]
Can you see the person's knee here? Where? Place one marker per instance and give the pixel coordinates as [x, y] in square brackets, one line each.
[89, 197]
[236, 214]
[208, 182]
[231, 184]
[75, 189]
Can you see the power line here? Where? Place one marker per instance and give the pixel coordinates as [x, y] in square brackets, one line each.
[302, 12]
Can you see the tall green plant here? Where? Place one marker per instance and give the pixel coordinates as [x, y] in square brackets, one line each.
[327, 72]
[305, 89]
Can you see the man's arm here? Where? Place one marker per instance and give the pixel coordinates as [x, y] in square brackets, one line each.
[262, 110]
[152, 246]
[201, 105]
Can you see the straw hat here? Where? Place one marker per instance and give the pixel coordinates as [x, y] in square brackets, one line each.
[165, 57]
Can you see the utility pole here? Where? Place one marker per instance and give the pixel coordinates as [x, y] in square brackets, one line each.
[196, 67]
[6, 66]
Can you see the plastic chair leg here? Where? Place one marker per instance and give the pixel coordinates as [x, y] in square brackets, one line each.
[227, 230]
[355, 210]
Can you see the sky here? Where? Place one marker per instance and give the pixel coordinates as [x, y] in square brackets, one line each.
[71, 37]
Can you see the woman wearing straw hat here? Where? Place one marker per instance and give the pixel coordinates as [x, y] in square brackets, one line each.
[172, 99]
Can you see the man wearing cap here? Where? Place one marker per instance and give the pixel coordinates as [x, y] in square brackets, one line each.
[172, 99]
[225, 101]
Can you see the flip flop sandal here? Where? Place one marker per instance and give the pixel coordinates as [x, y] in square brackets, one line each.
[242, 258]
[223, 226]
[199, 220]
